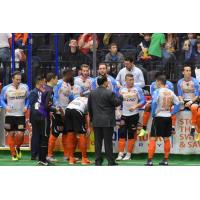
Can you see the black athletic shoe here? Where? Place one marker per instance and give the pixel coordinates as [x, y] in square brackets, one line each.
[113, 164]
[192, 132]
[149, 163]
[164, 163]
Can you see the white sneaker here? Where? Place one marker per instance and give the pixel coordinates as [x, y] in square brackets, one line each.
[51, 159]
[120, 156]
[127, 157]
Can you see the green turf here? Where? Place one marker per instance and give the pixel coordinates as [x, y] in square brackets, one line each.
[137, 160]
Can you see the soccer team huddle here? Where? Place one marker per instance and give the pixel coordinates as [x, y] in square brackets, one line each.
[61, 107]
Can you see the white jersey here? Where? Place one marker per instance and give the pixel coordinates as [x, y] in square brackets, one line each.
[137, 74]
[163, 99]
[86, 84]
[80, 104]
[62, 94]
[131, 97]
[15, 98]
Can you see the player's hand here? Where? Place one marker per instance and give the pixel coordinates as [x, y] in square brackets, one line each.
[88, 132]
[132, 108]
[188, 104]
[25, 110]
[8, 109]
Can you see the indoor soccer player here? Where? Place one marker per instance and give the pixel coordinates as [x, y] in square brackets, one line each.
[62, 96]
[133, 99]
[76, 117]
[188, 92]
[14, 99]
[112, 83]
[162, 101]
[147, 109]
[44, 105]
[84, 80]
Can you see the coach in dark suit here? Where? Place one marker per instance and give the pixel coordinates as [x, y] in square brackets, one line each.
[101, 108]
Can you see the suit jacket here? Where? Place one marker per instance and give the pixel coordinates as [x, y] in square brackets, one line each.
[101, 107]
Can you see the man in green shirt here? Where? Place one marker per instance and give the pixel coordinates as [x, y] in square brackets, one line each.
[157, 42]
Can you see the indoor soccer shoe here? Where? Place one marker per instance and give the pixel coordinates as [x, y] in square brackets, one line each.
[142, 133]
[40, 163]
[51, 159]
[127, 157]
[120, 156]
[14, 158]
[197, 137]
[18, 153]
[85, 161]
[72, 161]
[164, 163]
[149, 163]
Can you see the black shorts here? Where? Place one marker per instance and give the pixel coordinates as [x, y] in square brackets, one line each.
[128, 125]
[74, 121]
[161, 127]
[13, 123]
[57, 125]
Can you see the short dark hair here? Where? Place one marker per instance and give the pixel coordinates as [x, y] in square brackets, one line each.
[15, 73]
[186, 65]
[38, 79]
[162, 79]
[129, 58]
[101, 80]
[112, 44]
[66, 71]
[158, 74]
[129, 75]
[102, 63]
[50, 76]
[84, 65]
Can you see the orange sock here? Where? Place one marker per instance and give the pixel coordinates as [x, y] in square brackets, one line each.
[151, 148]
[64, 143]
[167, 148]
[173, 120]
[131, 143]
[51, 145]
[76, 141]
[19, 139]
[83, 145]
[146, 117]
[70, 144]
[121, 144]
[194, 110]
[11, 143]
[198, 121]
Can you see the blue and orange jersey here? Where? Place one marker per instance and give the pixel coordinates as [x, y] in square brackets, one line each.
[188, 89]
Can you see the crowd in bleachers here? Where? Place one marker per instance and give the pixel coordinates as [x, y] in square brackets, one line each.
[151, 52]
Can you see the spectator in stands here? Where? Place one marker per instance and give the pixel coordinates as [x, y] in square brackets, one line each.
[157, 43]
[130, 68]
[196, 53]
[169, 50]
[20, 40]
[5, 56]
[123, 40]
[188, 47]
[114, 59]
[143, 48]
[73, 57]
[85, 42]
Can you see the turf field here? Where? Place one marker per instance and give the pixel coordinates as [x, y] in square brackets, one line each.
[137, 160]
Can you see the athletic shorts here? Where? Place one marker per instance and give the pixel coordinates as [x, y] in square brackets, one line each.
[57, 125]
[161, 127]
[74, 121]
[13, 123]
